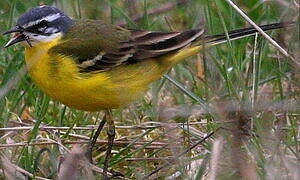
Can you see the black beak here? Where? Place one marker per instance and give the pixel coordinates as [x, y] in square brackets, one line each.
[15, 39]
[13, 30]
[18, 37]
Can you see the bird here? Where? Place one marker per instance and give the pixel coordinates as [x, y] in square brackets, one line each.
[93, 65]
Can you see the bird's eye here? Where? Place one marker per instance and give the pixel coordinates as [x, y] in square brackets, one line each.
[39, 27]
[43, 23]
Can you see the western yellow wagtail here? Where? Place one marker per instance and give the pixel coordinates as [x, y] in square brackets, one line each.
[92, 65]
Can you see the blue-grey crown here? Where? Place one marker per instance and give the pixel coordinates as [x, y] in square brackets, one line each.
[44, 20]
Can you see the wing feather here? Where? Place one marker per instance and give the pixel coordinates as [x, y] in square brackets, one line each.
[114, 46]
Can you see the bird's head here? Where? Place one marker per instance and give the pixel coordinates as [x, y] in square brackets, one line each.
[39, 24]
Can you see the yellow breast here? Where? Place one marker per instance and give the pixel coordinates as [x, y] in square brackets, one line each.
[59, 77]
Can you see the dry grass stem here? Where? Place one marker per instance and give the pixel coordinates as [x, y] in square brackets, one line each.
[180, 154]
[274, 43]
[215, 159]
[94, 127]
[155, 145]
[11, 168]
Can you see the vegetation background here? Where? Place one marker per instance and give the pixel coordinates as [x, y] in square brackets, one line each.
[244, 91]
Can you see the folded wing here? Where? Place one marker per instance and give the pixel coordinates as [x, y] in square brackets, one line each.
[114, 46]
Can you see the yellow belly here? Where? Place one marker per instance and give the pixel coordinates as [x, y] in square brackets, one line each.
[59, 78]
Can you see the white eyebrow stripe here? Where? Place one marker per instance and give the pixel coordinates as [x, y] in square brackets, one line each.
[52, 17]
[48, 18]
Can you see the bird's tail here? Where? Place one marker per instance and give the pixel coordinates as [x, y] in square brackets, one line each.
[208, 41]
[244, 32]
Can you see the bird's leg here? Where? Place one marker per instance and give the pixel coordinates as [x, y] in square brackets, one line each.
[94, 139]
[110, 140]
